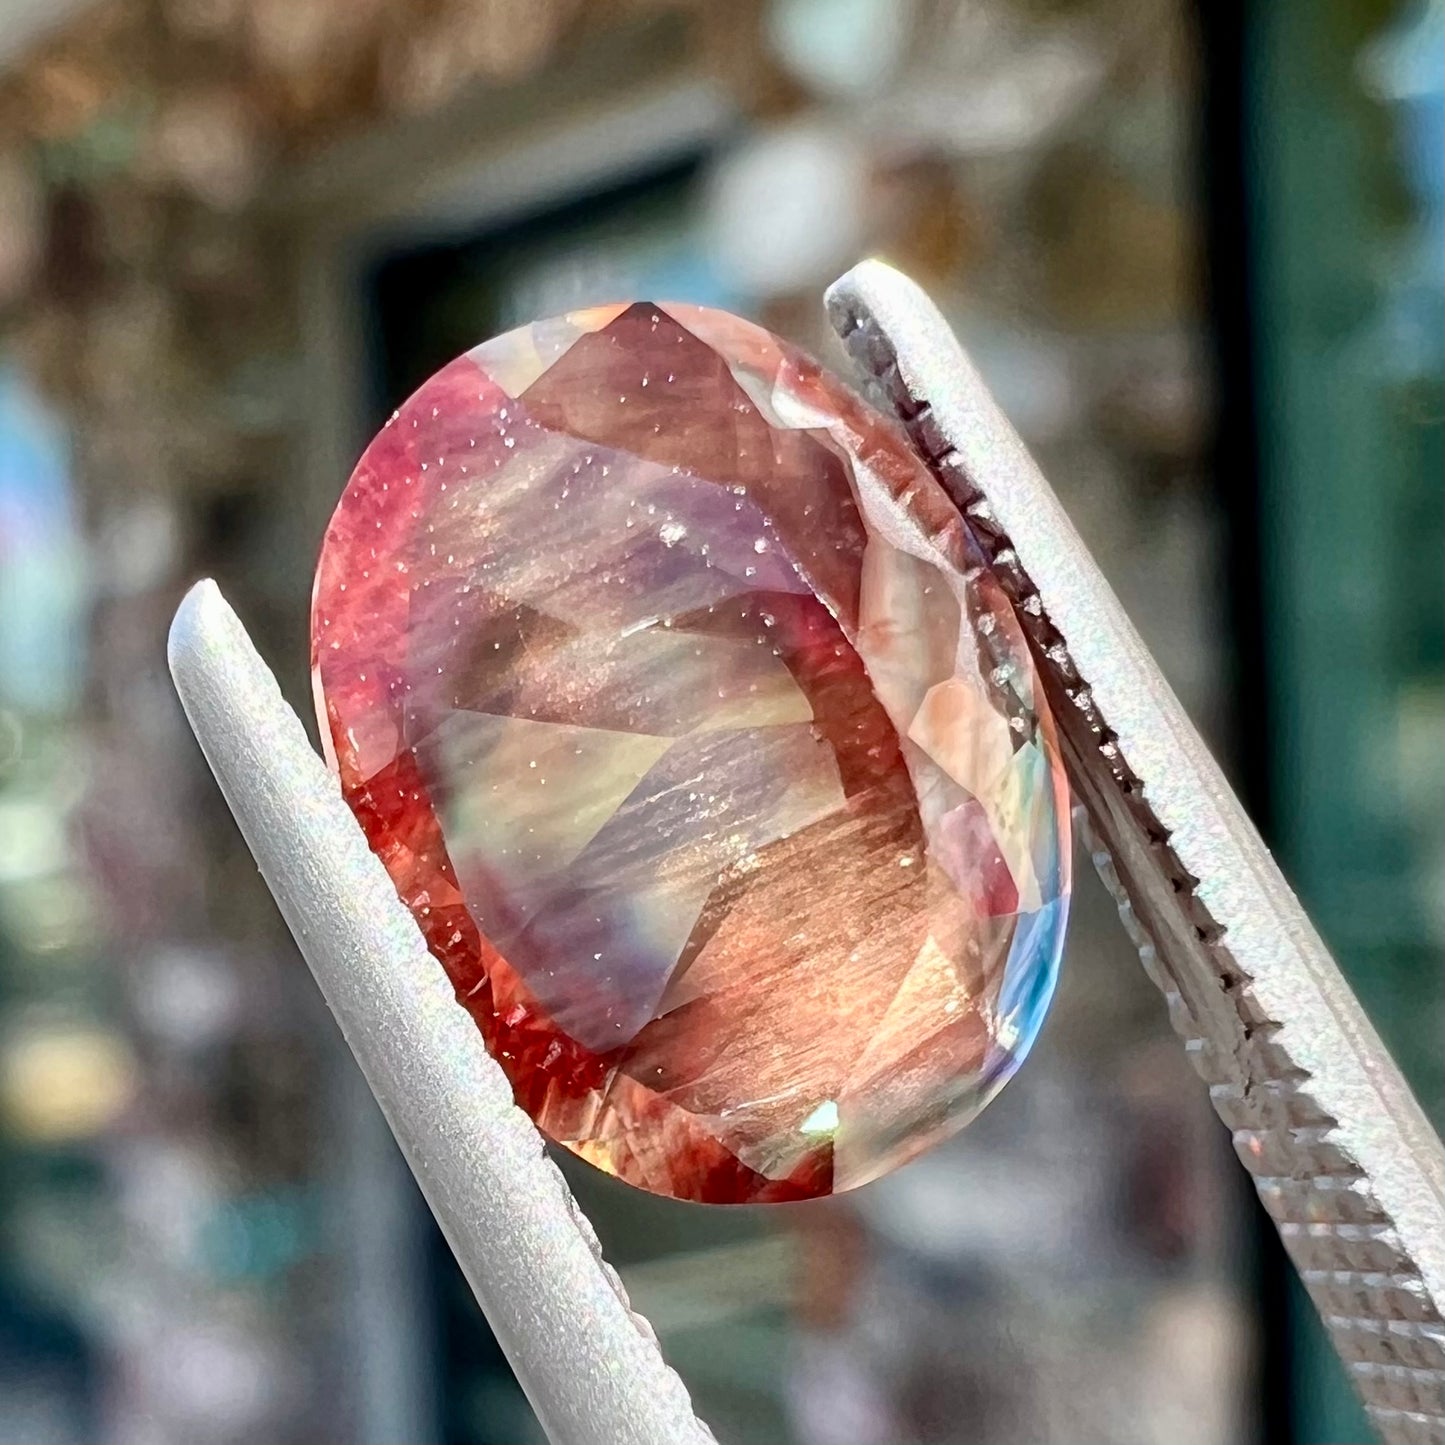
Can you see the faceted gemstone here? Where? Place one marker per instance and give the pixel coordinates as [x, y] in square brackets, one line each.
[668, 686]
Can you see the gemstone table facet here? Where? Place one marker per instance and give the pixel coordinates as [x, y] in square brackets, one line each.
[670, 689]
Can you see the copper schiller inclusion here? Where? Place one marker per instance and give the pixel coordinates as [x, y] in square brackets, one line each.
[670, 689]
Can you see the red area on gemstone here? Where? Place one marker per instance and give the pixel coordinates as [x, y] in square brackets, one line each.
[663, 680]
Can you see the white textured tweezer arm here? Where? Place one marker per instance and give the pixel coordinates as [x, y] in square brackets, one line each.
[1342, 1155]
[589, 1365]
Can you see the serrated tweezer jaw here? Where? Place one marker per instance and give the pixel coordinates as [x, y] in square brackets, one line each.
[1342, 1155]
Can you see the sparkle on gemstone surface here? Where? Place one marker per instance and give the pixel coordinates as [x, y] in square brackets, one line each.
[667, 685]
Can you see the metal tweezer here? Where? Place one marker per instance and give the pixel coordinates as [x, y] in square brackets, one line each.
[1343, 1158]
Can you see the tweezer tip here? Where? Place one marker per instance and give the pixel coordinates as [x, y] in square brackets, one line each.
[859, 286]
[202, 612]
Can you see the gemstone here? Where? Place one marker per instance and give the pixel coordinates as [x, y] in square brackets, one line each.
[675, 697]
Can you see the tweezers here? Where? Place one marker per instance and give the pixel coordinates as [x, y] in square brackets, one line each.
[1344, 1159]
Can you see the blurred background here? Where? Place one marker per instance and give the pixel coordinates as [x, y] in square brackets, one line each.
[1196, 249]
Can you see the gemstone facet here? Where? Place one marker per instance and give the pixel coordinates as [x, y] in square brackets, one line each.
[669, 687]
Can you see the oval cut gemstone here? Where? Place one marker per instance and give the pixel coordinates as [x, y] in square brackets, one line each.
[670, 689]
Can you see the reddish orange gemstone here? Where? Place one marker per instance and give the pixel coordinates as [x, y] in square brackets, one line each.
[668, 686]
